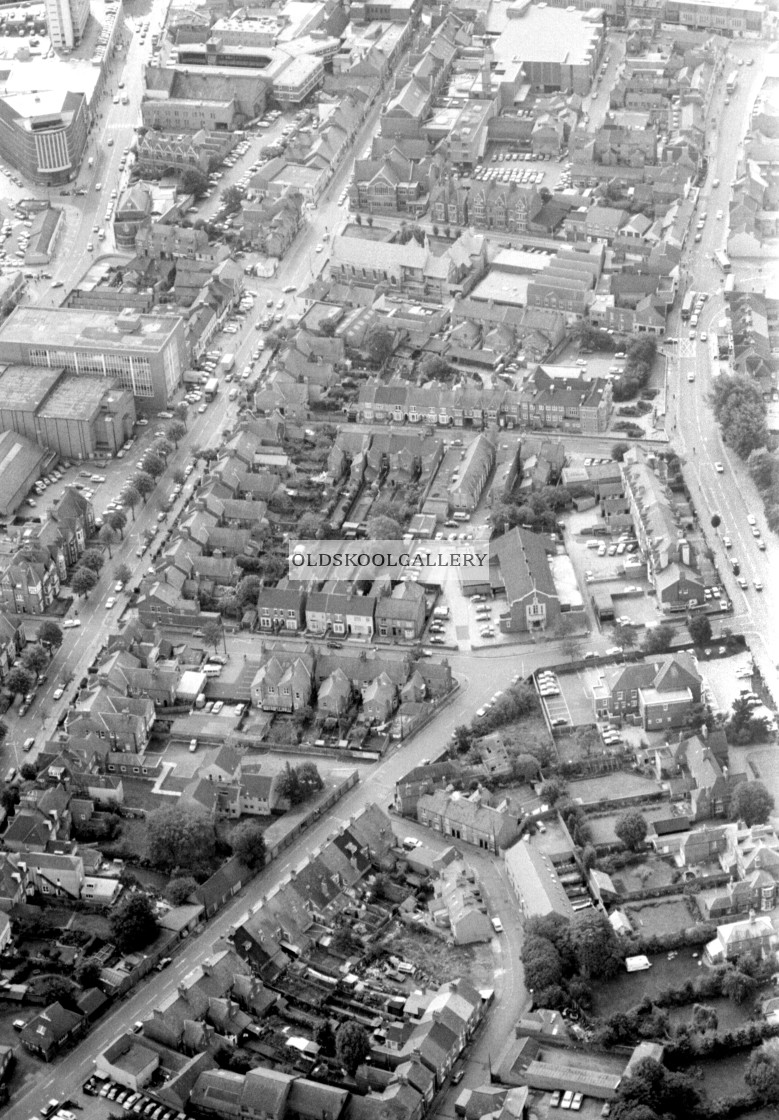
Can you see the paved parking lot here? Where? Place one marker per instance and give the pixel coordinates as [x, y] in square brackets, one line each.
[577, 691]
[721, 678]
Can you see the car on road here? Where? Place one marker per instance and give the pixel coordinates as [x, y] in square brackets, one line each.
[755, 532]
[110, 602]
[758, 585]
[457, 1076]
[497, 925]
[70, 623]
[718, 467]
[751, 519]
[728, 543]
[742, 583]
[690, 376]
[319, 247]
[192, 746]
[59, 693]
[704, 336]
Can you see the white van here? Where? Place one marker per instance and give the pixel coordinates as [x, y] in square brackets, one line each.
[212, 670]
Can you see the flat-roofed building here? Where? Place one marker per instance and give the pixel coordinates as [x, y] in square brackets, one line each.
[20, 466]
[559, 49]
[66, 20]
[143, 353]
[736, 17]
[43, 134]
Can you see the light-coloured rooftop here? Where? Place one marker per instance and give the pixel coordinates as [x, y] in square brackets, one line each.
[555, 35]
[89, 330]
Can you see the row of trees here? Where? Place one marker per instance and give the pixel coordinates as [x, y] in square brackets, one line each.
[638, 368]
[764, 470]
[740, 411]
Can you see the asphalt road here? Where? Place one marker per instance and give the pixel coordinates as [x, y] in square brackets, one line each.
[692, 427]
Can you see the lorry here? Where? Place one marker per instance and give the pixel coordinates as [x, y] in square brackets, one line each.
[211, 388]
[227, 362]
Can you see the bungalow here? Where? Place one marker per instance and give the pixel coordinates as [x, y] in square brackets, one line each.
[51, 1030]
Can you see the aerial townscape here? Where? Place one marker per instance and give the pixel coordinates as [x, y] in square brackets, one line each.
[389, 560]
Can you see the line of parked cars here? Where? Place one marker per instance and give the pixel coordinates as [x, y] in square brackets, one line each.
[568, 1100]
[131, 1101]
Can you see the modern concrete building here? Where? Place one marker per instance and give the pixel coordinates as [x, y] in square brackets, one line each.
[20, 467]
[143, 353]
[78, 417]
[559, 49]
[43, 134]
[66, 20]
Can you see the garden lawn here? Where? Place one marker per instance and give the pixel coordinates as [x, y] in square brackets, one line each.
[629, 988]
[660, 915]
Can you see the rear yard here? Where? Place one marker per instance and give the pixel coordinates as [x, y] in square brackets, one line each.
[660, 915]
[444, 963]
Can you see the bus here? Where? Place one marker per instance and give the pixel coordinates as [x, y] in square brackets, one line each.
[687, 305]
[723, 260]
[211, 388]
[732, 81]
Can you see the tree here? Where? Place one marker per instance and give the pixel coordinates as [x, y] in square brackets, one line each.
[179, 889]
[595, 944]
[93, 559]
[213, 634]
[704, 1018]
[133, 925]
[551, 791]
[162, 447]
[658, 639]
[762, 1074]
[763, 468]
[19, 680]
[716, 521]
[652, 1091]
[324, 1037]
[309, 778]
[631, 829]
[700, 629]
[565, 633]
[82, 581]
[178, 476]
[123, 573]
[50, 634]
[35, 658]
[525, 767]
[309, 526]
[176, 432]
[130, 498]
[28, 772]
[9, 799]
[542, 963]
[87, 973]
[182, 837]
[106, 538]
[751, 803]
[118, 521]
[247, 591]
[153, 464]
[193, 181]
[738, 985]
[462, 738]
[248, 843]
[384, 529]
[352, 1045]
[625, 635]
[232, 198]
[740, 410]
[380, 344]
[619, 450]
[288, 785]
[181, 412]
[144, 484]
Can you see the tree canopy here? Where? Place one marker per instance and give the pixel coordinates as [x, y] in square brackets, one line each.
[595, 943]
[751, 803]
[248, 843]
[82, 581]
[180, 837]
[133, 924]
[352, 1045]
[631, 829]
[740, 410]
